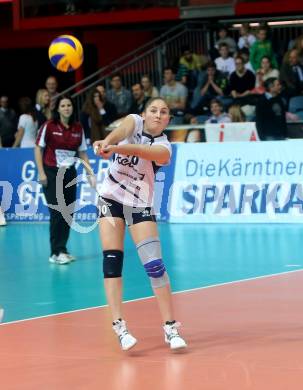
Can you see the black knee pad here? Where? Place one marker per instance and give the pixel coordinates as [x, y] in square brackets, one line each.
[112, 263]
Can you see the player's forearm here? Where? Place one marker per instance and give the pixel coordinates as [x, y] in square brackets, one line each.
[122, 131]
[39, 160]
[152, 153]
[88, 168]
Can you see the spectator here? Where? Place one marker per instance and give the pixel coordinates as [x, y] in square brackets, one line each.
[139, 99]
[299, 46]
[149, 89]
[247, 39]
[265, 72]
[241, 82]
[91, 117]
[225, 39]
[271, 112]
[236, 114]
[244, 53]
[175, 94]
[218, 116]
[262, 47]
[51, 84]
[214, 85]
[119, 96]
[225, 63]
[192, 64]
[8, 123]
[291, 74]
[109, 112]
[27, 126]
[42, 107]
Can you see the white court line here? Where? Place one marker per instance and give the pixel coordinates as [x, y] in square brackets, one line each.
[152, 296]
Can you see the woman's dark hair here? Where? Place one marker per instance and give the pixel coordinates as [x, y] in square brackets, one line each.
[89, 106]
[56, 115]
[151, 100]
[26, 106]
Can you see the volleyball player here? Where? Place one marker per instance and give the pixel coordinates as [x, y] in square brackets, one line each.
[58, 142]
[140, 148]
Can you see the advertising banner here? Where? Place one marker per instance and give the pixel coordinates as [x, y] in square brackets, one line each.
[229, 132]
[238, 182]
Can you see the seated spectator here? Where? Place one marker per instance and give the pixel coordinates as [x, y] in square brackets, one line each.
[247, 39]
[225, 39]
[241, 82]
[261, 48]
[225, 63]
[298, 44]
[150, 90]
[244, 53]
[27, 126]
[42, 108]
[92, 117]
[139, 99]
[8, 123]
[271, 113]
[291, 74]
[119, 96]
[192, 64]
[109, 112]
[218, 116]
[236, 114]
[265, 72]
[175, 95]
[214, 85]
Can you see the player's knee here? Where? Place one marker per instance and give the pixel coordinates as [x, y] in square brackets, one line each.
[149, 252]
[112, 263]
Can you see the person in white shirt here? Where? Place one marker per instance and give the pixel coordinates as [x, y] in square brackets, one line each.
[225, 63]
[126, 198]
[27, 125]
[246, 39]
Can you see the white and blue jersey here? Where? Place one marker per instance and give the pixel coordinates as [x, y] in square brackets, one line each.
[130, 179]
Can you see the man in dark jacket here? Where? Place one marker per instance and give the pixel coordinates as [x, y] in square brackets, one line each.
[271, 112]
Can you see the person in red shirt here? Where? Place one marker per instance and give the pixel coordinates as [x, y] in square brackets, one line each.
[58, 142]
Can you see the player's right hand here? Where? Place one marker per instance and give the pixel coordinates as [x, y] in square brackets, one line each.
[43, 180]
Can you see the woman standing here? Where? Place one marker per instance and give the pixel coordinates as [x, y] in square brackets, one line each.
[57, 144]
[140, 149]
[25, 137]
[42, 107]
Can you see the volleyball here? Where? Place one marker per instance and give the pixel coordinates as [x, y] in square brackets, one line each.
[66, 53]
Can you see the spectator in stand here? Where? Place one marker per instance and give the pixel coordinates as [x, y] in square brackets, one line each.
[271, 112]
[8, 123]
[299, 46]
[27, 126]
[291, 74]
[265, 72]
[241, 82]
[193, 64]
[42, 108]
[175, 94]
[225, 63]
[109, 112]
[51, 84]
[139, 99]
[150, 90]
[218, 116]
[213, 86]
[224, 38]
[247, 39]
[91, 117]
[244, 53]
[119, 96]
[262, 47]
[236, 114]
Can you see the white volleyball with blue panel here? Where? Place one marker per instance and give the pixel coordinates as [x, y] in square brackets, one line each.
[66, 53]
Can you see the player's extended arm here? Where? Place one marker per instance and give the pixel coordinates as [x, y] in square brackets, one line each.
[158, 153]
